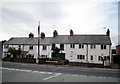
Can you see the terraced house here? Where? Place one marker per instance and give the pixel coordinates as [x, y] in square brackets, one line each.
[75, 48]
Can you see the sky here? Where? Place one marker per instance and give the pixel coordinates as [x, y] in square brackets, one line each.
[20, 17]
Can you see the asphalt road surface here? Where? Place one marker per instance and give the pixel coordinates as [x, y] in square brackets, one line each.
[21, 72]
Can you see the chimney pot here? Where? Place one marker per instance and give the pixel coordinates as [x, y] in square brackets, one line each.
[108, 33]
[55, 33]
[31, 35]
[71, 32]
[42, 35]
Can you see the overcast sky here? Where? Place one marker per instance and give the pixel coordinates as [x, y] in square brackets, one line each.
[20, 17]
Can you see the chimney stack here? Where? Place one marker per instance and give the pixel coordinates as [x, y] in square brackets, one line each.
[71, 32]
[31, 35]
[108, 33]
[42, 35]
[55, 33]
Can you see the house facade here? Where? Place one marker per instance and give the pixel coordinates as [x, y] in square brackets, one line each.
[75, 48]
[118, 49]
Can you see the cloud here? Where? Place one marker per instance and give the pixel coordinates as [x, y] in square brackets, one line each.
[21, 17]
[59, 0]
[15, 16]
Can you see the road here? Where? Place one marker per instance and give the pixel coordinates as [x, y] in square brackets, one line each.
[21, 72]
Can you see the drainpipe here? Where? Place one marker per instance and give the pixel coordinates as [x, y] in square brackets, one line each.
[87, 54]
[110, 55]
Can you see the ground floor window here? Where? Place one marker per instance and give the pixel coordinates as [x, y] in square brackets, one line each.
[43, 56]
[91, 57]
[105, 58]
[81, 57]
[30, 56]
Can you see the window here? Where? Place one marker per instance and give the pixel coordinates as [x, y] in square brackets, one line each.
[44, 47]
[91, 57]
[30, 56]
[99, 58]
[105, 58]
[81, 57]
[103, 46]
[31, 47]
[19, 47]
[6, 46]
[72, 45]
[43, 56]
[81, 46]
[78, 57]
[93, 46]
[53, 46]
[62, 46]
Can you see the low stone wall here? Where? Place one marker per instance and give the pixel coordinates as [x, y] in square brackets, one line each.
[22, 60]
[85, 64]
[116, 66]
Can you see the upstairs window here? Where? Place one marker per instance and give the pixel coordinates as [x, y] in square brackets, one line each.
[31, 47]
[44, 47]
[19, 47]
[103, 46]
[53, 46]
[72, 45]
[92, 46]
[62, 46]
[6, 46]
[81, 46]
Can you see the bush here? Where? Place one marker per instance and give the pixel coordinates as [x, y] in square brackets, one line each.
[54, 59]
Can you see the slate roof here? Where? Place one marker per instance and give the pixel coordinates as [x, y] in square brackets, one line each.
[90, 39]
[28, 41]
[62, 39]
[16, 40]
[82, 39]
[1, 50]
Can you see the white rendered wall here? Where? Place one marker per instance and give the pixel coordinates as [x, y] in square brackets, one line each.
[71, 53]
[97, 52]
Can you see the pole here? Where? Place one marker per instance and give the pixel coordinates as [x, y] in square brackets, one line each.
[39, 40]
[103, 60]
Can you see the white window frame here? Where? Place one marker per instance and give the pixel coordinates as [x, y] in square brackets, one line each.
[92, 46]
[72, 45]
[103, 47]
[81, 46]
[44, 47]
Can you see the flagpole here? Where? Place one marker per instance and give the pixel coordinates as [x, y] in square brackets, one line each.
[39, 39]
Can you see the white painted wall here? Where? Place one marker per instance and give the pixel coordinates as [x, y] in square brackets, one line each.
[71, 53]
[44, 52]
[58, 46]
[97, 52]
[34, 51]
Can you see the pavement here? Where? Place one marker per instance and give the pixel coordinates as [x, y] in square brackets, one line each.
[21, 72]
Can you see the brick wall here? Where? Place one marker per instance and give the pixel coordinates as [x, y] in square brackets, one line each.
[118, 50]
